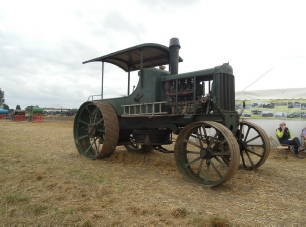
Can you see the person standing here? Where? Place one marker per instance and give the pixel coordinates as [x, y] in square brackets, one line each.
[285, 136]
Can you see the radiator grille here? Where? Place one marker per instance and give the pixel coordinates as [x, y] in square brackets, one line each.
[225, 91]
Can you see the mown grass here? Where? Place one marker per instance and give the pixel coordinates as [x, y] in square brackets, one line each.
[45, 182]
[13, 198]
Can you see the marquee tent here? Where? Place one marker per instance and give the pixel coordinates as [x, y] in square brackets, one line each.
[267, 108]
[287, 93]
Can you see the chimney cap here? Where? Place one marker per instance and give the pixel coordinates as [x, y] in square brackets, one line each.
[175, 42]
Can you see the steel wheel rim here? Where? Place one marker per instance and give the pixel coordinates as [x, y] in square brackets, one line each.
[207, 152]
[96, 130]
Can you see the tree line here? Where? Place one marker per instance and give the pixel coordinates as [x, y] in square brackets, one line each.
[71, 112]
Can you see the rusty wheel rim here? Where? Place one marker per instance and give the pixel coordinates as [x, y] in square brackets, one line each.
[207, 152]
[96, 130]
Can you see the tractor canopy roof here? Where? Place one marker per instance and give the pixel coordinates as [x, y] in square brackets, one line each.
[135, 58]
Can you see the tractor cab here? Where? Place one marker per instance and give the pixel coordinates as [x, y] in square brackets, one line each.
[138, 58]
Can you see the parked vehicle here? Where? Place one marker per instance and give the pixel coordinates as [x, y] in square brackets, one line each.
[198, 107]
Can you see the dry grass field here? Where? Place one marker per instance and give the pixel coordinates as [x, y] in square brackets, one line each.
[45, 182]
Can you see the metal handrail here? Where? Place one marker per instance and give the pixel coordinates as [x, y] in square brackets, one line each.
[93, 96]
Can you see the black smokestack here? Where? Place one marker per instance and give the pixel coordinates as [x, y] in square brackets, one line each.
[174, 55]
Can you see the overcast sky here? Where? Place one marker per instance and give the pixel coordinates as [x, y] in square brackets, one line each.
[43, 44]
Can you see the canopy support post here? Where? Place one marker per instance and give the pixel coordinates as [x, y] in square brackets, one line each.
[102, 79]
[141, 65]
[129, 82]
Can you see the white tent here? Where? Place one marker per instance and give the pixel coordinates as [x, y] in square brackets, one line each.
[292, 96]
[287, 93]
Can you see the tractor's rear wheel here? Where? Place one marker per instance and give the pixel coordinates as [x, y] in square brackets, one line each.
[207, 152]
[254, 145]
[96, 130]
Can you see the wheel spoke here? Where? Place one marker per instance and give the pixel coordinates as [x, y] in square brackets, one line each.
[95, 113]
[221, 162]
[193, 152]
[82, 137]
[223, 153]
[221, 143]
[83, 122]
[247, 134]
[99, 143]
[213, 139]
[193, 161]
[90, 146]
[192, 143]
[250, 159]
[253, 152]
[200, 166]
[89, 111]
[254, 138]
[98, 122]
[206, 175]
[199, 136]
[216, 169]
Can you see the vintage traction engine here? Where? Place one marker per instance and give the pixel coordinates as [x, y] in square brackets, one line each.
[36, 114]
[194, 110]
[19, 115]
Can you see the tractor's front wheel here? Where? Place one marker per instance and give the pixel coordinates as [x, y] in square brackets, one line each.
[207, 152]
[96, 130]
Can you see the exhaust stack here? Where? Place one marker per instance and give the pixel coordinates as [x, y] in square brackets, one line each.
[174, 55]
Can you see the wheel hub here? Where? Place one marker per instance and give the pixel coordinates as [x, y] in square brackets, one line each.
[206, 153]
[242, 144]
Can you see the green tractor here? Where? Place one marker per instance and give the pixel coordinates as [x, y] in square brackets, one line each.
[194, 110]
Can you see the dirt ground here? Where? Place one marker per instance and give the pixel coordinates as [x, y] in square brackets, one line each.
[44, 181]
